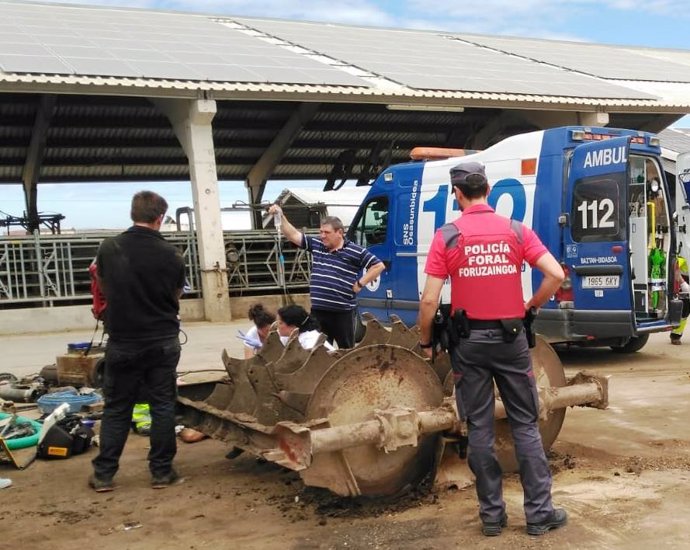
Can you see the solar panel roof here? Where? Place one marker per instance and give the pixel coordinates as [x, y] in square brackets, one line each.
[428, 60]
[614, 62]
[56, 39]
[676, 139]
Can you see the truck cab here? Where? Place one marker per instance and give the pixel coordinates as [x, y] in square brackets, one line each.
[597, 198]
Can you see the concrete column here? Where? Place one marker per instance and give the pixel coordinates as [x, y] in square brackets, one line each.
[191, 121]
[594, 119]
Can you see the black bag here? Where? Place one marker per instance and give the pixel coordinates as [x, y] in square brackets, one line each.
[66, 438]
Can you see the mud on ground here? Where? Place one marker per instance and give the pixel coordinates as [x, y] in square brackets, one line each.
[622, 474]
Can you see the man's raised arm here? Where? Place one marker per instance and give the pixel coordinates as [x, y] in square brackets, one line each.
[291, 233]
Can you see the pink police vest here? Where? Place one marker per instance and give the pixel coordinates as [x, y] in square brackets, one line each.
[483, 253]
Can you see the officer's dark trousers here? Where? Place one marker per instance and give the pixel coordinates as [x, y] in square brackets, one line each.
[128, 368]
[478, 361]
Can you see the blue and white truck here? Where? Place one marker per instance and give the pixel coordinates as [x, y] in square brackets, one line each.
[597, 197]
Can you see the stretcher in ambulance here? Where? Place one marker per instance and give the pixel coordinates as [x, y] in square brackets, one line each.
[597, 198]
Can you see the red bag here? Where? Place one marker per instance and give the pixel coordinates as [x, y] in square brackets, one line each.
[98, 299]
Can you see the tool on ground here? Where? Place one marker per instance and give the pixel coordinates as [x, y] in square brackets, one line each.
[15, 427]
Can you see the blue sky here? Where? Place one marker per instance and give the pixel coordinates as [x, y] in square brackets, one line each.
[653, 23]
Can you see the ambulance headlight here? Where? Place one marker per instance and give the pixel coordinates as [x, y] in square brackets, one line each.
[577, 135]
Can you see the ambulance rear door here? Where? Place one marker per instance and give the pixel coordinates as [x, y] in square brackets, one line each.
[683, 204]
[596, 248]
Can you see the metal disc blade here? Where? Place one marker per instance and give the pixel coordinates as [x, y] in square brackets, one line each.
[370, 378]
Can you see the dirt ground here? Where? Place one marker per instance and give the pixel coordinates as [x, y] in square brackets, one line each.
[622, 474]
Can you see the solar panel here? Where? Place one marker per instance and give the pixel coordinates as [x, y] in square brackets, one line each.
[91, 41]
[130, 43]
[615, 62]
[422, 60]
[93, 67]
[33, 64]
[675, 140]
[14, 48]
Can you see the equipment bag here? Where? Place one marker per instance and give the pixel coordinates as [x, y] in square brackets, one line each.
[66, 438]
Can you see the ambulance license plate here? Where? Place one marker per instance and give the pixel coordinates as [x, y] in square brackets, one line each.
[601, 281]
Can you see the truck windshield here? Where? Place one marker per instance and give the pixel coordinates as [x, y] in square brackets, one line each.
[371, 228]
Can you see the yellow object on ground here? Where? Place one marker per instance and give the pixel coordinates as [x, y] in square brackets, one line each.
[141, 418]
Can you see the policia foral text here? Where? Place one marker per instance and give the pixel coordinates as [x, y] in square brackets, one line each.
[482, 253]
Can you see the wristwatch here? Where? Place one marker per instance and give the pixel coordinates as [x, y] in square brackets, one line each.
[426, 346]
[360, 285]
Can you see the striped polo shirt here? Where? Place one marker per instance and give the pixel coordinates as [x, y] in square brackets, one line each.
[333, 273]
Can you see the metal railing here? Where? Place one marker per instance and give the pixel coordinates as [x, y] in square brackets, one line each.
[51, 270]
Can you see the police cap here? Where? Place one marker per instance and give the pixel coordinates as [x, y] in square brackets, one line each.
[459, 174]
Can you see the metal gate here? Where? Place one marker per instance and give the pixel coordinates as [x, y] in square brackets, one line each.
[51, 270]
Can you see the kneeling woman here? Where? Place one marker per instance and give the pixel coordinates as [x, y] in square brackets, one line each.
[296, 317]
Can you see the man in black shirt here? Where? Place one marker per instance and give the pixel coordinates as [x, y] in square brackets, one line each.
[142, 277]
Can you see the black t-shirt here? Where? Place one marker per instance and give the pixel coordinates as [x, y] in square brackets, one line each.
[142, 275]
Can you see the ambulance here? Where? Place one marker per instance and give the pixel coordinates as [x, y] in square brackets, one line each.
[597, 198]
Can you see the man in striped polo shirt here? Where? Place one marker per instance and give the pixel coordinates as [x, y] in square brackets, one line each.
[335, 275]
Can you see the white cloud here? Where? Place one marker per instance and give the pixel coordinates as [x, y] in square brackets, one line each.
[669, 7]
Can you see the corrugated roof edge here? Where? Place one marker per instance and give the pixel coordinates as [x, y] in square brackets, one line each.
[226, 90]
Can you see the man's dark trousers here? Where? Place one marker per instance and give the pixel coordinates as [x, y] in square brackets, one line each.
[128, 368]
[337, 325]
[479, 360]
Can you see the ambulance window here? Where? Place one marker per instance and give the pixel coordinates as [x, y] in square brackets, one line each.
[372, 226]
[597, 214]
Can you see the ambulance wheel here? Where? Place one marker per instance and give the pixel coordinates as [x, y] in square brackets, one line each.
[636, 343]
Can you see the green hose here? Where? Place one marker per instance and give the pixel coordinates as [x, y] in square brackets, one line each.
[26, 441]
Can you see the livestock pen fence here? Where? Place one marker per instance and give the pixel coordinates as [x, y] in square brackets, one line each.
[52, 270]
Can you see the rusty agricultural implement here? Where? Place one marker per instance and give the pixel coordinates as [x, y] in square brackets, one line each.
[370, 420]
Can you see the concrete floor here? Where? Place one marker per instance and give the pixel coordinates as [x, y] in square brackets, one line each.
[26, 354]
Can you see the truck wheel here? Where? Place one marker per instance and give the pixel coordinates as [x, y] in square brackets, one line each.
[636, 343]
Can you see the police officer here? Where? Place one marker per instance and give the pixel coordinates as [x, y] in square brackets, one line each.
[482, 253]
